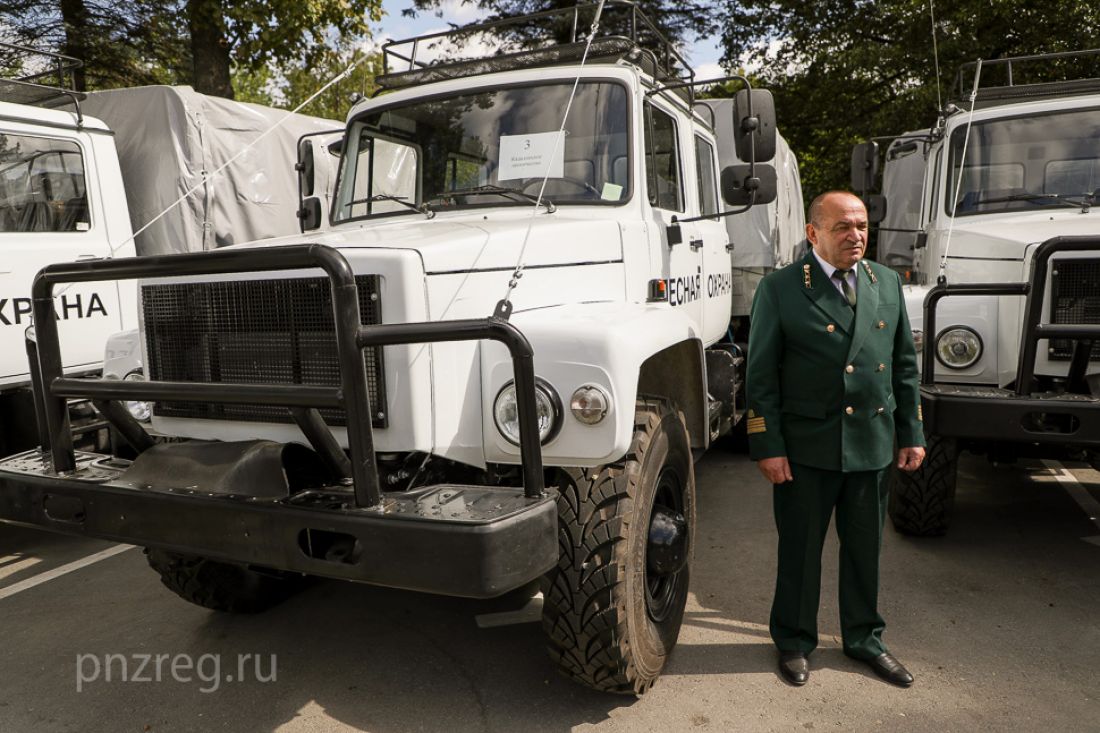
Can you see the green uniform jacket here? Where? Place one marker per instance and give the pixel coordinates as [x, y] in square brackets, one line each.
[827, 387]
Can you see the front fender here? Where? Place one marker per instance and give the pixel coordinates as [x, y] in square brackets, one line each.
[977, 312]
[604, 344]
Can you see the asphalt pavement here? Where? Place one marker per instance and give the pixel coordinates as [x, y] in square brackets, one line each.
[998, 622]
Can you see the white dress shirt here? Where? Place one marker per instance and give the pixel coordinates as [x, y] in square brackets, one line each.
[829, 270]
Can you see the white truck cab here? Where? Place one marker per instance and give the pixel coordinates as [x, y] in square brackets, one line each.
[496, 365]
[991, 213]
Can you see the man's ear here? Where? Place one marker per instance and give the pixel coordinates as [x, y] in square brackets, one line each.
[811, 234]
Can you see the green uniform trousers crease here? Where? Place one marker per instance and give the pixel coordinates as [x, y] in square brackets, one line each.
[803, 508]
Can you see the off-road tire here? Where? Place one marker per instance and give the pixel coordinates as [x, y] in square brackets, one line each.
[921, 502]
[596, 616]
[221, 586]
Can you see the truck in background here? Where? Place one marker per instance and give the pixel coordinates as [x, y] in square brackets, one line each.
[496, 365]
[992, 214]
[80, 173]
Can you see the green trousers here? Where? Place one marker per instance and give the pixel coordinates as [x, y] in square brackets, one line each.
[803, 508]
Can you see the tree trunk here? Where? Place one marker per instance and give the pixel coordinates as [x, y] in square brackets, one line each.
[209, 48]
[74, 17]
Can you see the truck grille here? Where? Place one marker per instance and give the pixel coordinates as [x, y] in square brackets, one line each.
[1074, 298]
[254, 332]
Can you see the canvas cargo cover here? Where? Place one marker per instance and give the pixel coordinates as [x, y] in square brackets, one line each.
[765, 236]
[168, 136]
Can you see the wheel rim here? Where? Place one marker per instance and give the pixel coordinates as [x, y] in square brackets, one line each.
[661, 585]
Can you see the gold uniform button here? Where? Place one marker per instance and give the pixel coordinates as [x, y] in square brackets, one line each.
[881, 410]
[830, 328]
[849, 410]
[882, 324]
[849, 368]
[882, 367]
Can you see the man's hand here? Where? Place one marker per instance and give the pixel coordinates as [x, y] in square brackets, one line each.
[909, 459]
[776, 470]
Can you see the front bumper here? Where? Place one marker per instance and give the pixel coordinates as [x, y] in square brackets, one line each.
[471, 541]
[992, 414]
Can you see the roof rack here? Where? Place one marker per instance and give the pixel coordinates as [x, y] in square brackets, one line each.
[547, 38]
[1021, 78]
[40, 78]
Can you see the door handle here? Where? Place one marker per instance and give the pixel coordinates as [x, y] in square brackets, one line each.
[729, 247]
[696, 245]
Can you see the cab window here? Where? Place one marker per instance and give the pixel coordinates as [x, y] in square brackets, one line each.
[704, 163]
[42, 186]
[662, 150]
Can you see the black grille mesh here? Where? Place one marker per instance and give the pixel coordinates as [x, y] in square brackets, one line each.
[254, 332]
[1075, 298]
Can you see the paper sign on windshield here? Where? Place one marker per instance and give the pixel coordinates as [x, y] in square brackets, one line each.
[531, 156]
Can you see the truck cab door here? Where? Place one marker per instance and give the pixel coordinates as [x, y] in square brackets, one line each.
[714, 239]
[46, 217]
[682, 264]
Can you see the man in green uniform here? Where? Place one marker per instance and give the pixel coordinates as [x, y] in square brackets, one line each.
[832, 388]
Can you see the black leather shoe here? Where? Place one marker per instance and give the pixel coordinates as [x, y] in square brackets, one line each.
[890, 669]
[795, 667]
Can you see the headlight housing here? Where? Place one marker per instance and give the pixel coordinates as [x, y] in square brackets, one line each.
[958, 347]
[547, 409]
[139, 409]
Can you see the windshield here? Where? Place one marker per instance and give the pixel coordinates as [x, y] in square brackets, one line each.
[488, 148]
[1026, 163]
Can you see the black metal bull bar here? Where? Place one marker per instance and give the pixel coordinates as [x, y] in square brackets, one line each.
[52, 388]
[950, 408]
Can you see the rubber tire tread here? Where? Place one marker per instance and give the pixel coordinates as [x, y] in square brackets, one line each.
[585, 601]
[922, 502]
[220, 586]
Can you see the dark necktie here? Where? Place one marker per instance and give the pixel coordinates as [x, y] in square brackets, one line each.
[848, 290]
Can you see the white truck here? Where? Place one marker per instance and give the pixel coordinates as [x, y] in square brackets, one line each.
[992, 215]
[496, 365]
[79, 174]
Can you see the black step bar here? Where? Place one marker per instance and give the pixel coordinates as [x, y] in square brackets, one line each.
[52, 387]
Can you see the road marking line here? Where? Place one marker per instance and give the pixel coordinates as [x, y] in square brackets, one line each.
[49, 575]
[1078, 493]
[530, 613]
[17, 566]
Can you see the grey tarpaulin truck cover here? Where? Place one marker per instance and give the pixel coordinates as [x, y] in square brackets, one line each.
[168, 136]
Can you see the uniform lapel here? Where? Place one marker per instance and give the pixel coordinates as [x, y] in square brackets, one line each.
[866, 309]
[825, 295]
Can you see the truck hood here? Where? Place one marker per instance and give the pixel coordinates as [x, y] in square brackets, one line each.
[1007, 236]
[467, 242]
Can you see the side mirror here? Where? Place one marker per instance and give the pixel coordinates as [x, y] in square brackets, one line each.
[864, 167]
[309, 216]
[876, 207]
[674, 235]
[738, 186]
[756, 131]
[305, 167]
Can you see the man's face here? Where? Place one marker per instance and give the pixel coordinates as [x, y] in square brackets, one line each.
[840, 235]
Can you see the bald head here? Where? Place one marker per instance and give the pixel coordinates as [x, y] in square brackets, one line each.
[817, 206]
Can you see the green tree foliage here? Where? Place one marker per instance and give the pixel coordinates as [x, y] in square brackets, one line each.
[678, 20]
[295, 82]
[120, 44]
[197, 42]
[845, 70]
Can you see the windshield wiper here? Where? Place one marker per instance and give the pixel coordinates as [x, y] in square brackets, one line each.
[423, 208]
[1084, 200]
[511, 193]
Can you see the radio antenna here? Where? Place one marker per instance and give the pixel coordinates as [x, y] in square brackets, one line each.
[935, 52]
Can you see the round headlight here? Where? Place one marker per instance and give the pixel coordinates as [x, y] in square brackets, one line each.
[589, 404]
[958, 347]
[547, 409]
[140, 410]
